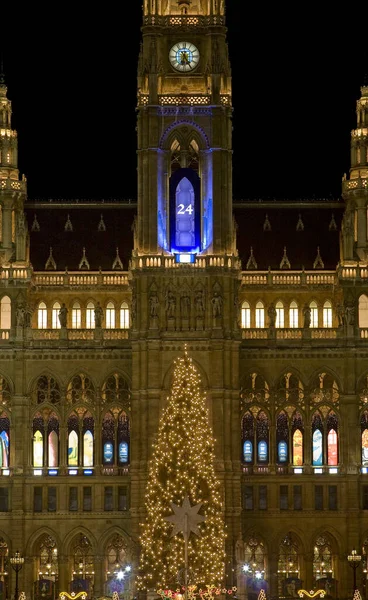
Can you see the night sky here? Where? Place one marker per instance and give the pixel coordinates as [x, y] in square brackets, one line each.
[71, 77]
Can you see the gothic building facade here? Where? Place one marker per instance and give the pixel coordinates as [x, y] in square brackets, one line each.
[271, 301]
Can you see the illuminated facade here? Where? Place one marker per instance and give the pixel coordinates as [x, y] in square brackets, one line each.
[271, 300]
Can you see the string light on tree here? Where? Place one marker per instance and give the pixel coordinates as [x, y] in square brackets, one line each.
[181, 474]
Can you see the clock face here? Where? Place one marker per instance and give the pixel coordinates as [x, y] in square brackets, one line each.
[184, 57]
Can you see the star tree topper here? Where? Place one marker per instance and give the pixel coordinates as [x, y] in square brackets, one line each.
[185, 518]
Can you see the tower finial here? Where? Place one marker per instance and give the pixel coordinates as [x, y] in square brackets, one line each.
[2, 75]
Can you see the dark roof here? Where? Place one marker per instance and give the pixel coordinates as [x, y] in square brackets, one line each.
[100, 246]
[67, 246]
[301, 245]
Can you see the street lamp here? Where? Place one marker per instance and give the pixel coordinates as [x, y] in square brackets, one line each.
[354, 561]
[17, 562]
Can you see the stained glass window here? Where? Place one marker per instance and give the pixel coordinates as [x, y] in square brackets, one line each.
[73, 449]
[297, 448]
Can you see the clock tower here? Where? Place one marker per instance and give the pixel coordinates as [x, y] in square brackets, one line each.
[185, 268]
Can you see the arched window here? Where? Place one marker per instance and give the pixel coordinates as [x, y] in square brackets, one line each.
[37, 449]
[55, 316]
[45, 449]
[364, 438]
[42, 316]
[255, 562]
[124, 316]
[47, 559]
[83, 558]
[317, 440]
[280, 315]
[76, 316]
[46, 389]
[363, 311]
[88, 449]
[115, 439]
[297, 448]
[288, 567]
[80, 390]
[327, 314]
[117, 560]
[4, 440]
[5, 313]
[90, 316]
[248, 428]
[282, 438]
[245, 315]
[73, 448]
[81, 440]
[260, 315]
[293, 315]
[110, 316]
[262, 433]
[314, 314]
[323, 566]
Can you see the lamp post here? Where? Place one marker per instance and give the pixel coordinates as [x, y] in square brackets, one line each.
[17, 562]
[354, 561]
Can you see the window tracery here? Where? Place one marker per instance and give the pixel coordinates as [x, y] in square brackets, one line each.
[80, 390]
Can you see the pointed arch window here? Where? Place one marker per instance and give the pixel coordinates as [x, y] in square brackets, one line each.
[175, 156]
[37, 449]
[47, 558]
[83, 558]
[124, 316]
[322, 559]
[255, 561]
[317, 440]
[282, 438]
[81, 440]
[280, 315]
[80, 390]
[90, 316]
[45, 449]
[260, 315]
[262, 433]
[245, 315]
[248, 429]
[363, 311]
[364, 438]
[46, 389]
[55, 316]
[293, 315]
[314, 314]
[327, 314]
[42, 316]
[4, 441]
[110, 316]
[5, 313]
[288, 567]
[76, 316]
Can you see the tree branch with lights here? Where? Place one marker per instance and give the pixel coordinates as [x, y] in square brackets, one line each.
[182, 481]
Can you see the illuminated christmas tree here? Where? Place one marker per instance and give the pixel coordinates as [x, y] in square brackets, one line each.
[181, 473]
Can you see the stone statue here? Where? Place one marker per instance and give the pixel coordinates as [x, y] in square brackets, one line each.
[185, 306]
[271, 315]
[216, 305]
[199, 303]
[63, 314]
[28, 312]
[153, 304]
[350, 313]
[340, 311]
[20, 315]
[98, 315]
[170, 304]
[307, 316]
